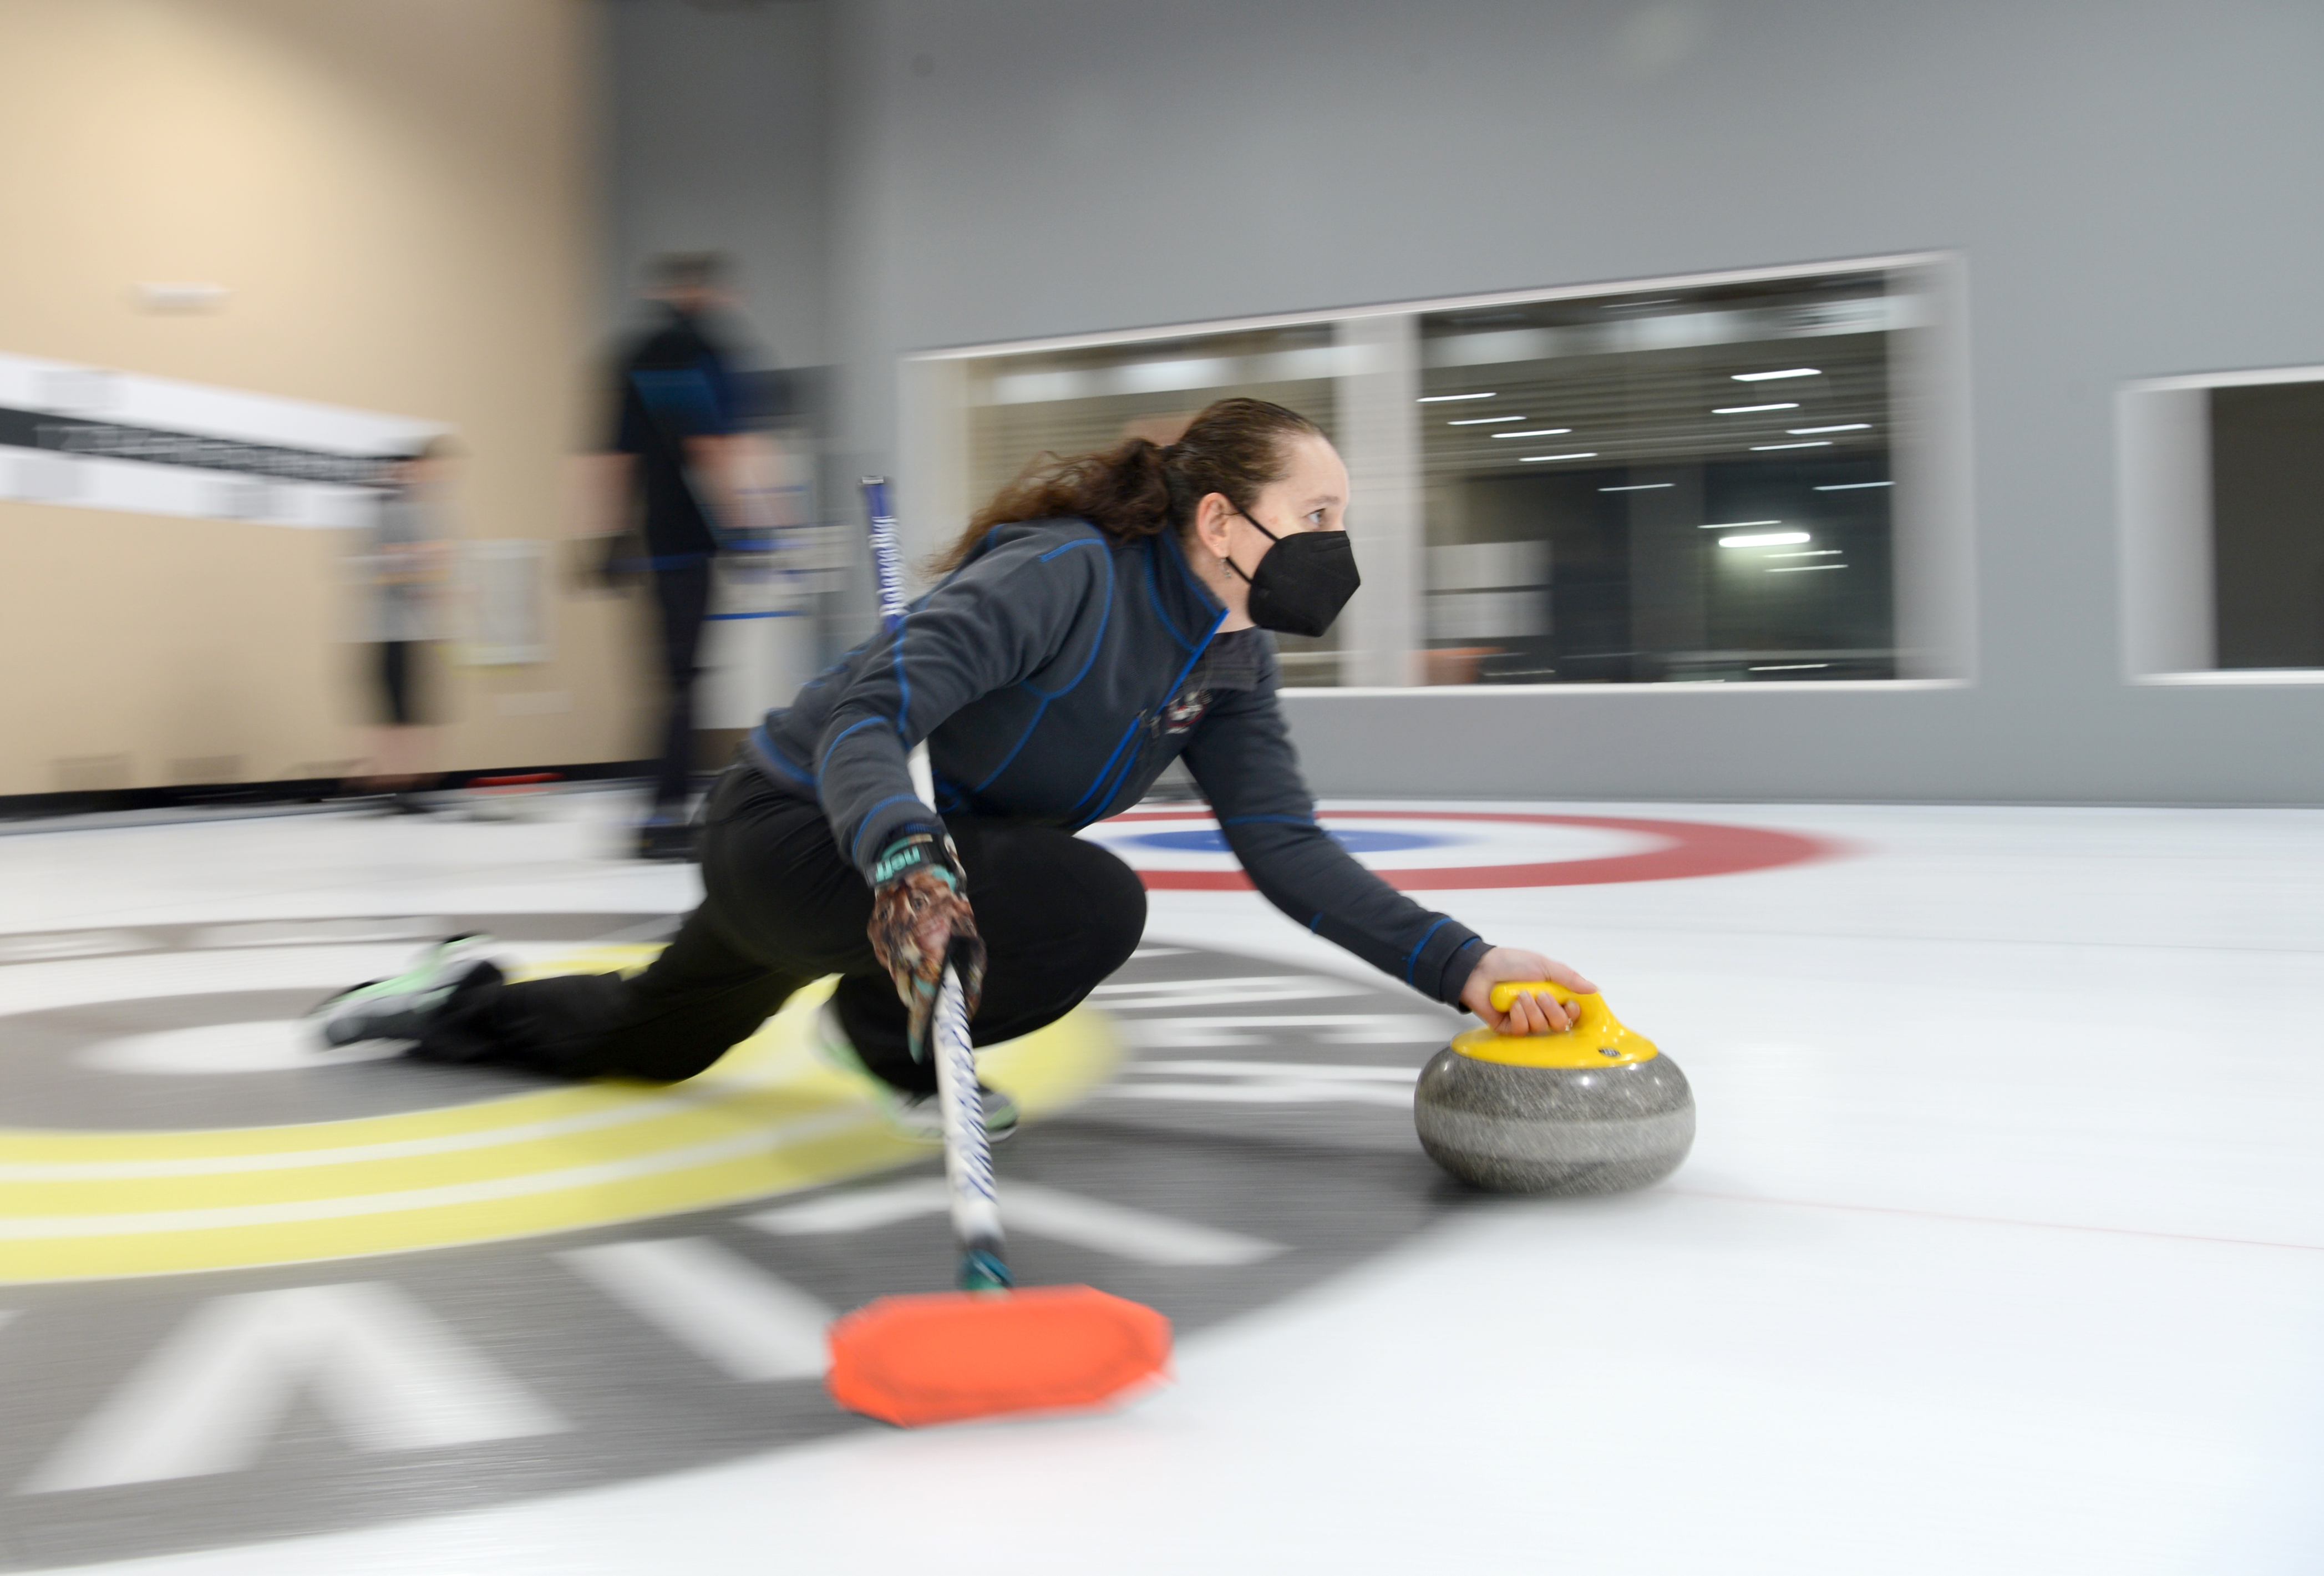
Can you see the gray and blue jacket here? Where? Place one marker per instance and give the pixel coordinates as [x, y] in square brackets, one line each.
[1054, 675]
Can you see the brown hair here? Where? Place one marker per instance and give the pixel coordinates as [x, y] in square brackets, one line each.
[1138, 488]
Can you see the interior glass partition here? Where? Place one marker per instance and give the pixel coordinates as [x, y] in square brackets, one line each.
[1694, 484]
[1755, 478]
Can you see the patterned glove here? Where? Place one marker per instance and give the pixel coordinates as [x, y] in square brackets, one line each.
[920, 921]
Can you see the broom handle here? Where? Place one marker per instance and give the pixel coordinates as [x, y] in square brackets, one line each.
[887, 574]
[887, 567]
[968, 1154]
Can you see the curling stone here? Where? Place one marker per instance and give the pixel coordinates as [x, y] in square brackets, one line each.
[1594, 1109]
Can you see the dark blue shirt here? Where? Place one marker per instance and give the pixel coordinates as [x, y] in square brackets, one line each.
[674, 386]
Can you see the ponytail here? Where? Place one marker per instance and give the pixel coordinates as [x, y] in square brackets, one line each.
[1138, 488]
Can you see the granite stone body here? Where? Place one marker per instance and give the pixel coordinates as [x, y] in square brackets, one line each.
[1553, 1130]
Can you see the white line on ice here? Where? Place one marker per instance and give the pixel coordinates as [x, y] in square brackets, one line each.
[757, 1140]
[387, 1372]
[1321, 1072]
[1265, 1093]
[747, 1323]
[1147, 996]
[1336, 1028]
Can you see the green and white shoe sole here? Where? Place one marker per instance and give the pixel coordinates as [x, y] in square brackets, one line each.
[395, 1009]
[916, 1118]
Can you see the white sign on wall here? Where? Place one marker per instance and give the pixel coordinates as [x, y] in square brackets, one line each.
[88, 438]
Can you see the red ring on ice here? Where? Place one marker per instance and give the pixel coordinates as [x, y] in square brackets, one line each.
[1690, 848]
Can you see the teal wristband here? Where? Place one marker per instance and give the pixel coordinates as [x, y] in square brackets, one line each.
[906, 855]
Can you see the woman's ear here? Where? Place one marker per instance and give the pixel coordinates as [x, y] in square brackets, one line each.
[1214, 521]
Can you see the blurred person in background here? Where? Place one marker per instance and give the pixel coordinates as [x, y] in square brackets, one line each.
[1098, 621]
[405, 570]
[669, 486]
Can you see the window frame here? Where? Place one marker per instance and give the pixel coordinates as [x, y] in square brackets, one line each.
[2168, 603]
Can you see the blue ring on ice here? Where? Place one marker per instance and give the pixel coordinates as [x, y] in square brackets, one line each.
[1354, 839]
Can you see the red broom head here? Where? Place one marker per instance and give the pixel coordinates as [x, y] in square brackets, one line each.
[951, 1356]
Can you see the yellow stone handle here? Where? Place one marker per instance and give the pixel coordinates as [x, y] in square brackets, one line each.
[1505, 993]
[1591, 1015]
[1597, 1039]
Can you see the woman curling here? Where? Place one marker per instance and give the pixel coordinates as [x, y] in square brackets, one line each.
[1098, 621]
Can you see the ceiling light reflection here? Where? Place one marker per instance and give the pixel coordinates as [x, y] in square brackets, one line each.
[1769, 539]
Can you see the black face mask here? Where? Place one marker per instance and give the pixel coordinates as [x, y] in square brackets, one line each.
[1302, 581]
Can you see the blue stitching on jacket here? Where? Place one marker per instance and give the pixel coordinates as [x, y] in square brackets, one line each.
[1097, 643]
[903, 685]
[762, 745]
[1208, 635]
[1103, 619]
[1115, 789]
[1107, 802]
[1154, 595]
[1185, 574]
[1414, 955]
[835, 744]
[1090, 792]
[1023, 740]
[856, 848]
[1316, 923]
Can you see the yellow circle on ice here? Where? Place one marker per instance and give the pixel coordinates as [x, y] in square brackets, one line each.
[768, 1119]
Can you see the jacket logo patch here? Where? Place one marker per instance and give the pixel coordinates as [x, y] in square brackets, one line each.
[1183, 712]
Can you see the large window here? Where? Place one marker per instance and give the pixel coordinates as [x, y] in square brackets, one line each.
[1744, 479]
[1691, 484]
[2223, 550]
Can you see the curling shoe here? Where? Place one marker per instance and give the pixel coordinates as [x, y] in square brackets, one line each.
[397, 1008]
[910, 1114]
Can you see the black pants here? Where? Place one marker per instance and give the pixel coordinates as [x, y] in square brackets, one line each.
[780, 908]
[682, 595]
[400, 663]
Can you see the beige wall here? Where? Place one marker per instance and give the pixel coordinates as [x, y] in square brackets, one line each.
[398, 194]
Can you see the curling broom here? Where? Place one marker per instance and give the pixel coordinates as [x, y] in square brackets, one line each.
[987, 1350]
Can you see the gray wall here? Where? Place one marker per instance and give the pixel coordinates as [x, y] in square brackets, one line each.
[717, 129]
[2131, 184]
